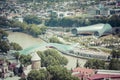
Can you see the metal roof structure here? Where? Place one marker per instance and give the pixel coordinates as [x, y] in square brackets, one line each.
[66, 49]
[35, 57]
[60, 47]
[97, 29]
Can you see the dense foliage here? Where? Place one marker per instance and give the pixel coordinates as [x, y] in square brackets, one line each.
[25, 59]
[30, 28]
[38, 75]
[31, 19]
[3, 34]
[4, 22]
[115, 61]
[27, 27]
[15, 46]
[115, 54]
[4, 45]
[95, 64]
[54, 40]
[60, 73]
[51, 57]
[51, 73]
[114, 64]
[78, 21]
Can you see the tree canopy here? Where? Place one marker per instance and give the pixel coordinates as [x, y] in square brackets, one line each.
[38, 75]
[51, 57]
[15, 46]
[54, 40]
[115, 53]
[95, 64]
[51, 73]
[25, 59]
[60, 73]
[115, 61]
[114, 64]
[4, 45]
[32, 19]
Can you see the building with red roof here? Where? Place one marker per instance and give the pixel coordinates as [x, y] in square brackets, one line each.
[83, 73]
[104, 77]
[91, 74]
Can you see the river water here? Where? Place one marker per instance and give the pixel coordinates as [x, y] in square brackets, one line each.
[25, 41]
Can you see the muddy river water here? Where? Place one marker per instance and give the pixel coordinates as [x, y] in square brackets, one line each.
[25, 41]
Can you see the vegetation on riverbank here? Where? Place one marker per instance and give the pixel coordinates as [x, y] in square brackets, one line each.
[51, 73]
[52, 57]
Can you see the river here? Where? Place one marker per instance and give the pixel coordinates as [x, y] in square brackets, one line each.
[25, 41]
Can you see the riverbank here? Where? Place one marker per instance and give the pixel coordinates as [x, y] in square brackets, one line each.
[25, 41]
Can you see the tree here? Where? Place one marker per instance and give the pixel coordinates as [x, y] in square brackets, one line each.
[51, 73]
[95, 64]
[32, 19]
[3, 34]
[25, 59]
[17, 55]
[115, 54]
[51, 57]
[54, 40]
[53, 15]
[38, 75]
[15, 46]
[114, 64]
[20, 70]
[114, 20]
[77, 64]
[60, 73]
[22, 25]
[34, 30]
[43, 29]
[4, 22]
[4, 46]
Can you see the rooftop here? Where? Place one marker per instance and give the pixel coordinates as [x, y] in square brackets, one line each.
[101, 76]
[35, 57]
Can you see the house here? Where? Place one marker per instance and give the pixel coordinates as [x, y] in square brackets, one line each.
[83, 73]
[106, 75]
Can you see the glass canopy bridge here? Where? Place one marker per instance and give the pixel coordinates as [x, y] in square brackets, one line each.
[66, 49]
[60, 47]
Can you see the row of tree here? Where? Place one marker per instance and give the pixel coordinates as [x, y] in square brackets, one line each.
[77, 22]
[28, 26]
[5, 46]
[51, 73]
[114, 63]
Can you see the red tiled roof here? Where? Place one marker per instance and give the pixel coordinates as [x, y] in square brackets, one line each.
[100, 76]
[79, 75]
[83, 70]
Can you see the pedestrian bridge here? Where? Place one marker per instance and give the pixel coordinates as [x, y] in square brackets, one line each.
[66, 49]
[60, 47]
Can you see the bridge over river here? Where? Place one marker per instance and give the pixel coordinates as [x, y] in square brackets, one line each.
[66, 49]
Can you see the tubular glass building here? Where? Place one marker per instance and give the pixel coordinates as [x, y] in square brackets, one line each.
[97, 29]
